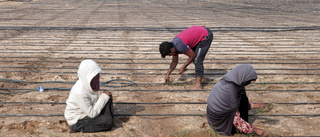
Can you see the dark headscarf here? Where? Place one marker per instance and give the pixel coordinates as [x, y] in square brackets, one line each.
[224, 99]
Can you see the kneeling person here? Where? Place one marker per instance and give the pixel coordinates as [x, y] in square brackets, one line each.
[86, 110]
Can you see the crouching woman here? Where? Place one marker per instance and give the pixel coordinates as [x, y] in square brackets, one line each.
[86, 110]
[228, 103]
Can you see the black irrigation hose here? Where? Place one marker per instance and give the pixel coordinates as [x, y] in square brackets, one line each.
[103, 84]
[143, 51]
[70, 82]
[153, 90]
[243, 46]
[152, 53]
[148, 103]
[157, 69]
[206, 62]
[188, 74]
[159, 59]
[170, 115]
[216, 61]
[177, 29]
[253, 90]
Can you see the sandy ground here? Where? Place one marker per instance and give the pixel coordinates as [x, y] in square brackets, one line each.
[46, 40]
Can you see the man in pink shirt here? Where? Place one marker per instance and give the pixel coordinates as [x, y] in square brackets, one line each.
[193, 42]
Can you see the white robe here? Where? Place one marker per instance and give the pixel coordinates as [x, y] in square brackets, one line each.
[82, 100]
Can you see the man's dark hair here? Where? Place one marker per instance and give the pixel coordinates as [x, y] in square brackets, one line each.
[164, 48]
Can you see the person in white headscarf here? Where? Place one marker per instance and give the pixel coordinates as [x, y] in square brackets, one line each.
[228, 103]
[86, 110]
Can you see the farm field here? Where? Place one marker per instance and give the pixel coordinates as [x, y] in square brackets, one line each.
[42, 43]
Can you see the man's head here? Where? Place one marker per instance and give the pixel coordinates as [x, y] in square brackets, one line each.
[166, 48]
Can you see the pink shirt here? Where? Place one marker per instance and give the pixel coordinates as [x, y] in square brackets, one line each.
[189, 38]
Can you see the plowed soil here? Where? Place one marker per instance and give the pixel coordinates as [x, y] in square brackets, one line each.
[43, 42]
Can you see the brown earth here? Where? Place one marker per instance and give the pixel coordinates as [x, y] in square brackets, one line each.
[46, 40]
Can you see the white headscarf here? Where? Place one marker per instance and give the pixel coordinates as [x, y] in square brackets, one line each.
[87, 70]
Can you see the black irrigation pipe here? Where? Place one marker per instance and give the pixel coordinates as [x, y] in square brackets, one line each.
[160, 115]
[206, 62]
[290, 69]
[249, 90]
[6, 57]
[187, 74]
[146, 50]
[164, 90]
[150, 39]
[256, 83]
[177, 29]
[243, 46]
[142, 51]
[72, 82]
[152, 53]
[149, 103]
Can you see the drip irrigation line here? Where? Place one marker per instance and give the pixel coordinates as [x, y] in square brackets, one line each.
[171, 115]
[5, 57]
[248, 52]
[170, 29]
[243, 46]
[150, 103]
[103, 84]
[21, 81]
[177, 83]
[134, 63]
[252, 90]
[152, 53]
[126, 84]
[69, 82]
[256, 83]
[151, 44]
[76, 68]
[154, 90]
[186, 74]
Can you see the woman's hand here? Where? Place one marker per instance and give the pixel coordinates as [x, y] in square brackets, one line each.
[260, 132]
[260, 105]
[107, 92]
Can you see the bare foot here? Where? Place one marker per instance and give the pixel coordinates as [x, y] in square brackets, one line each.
[202, 80]
[195, 87]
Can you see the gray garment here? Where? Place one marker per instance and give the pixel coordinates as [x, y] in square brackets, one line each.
[201, 50]
[224, 99]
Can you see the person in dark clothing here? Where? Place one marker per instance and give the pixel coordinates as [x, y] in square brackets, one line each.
[228, 103]
[193, 42]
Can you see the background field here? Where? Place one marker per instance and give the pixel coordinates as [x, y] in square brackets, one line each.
[43, 42]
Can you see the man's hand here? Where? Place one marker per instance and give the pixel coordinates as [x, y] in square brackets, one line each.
[107, 92]
[191, 56]
[166, 79]
[182, 69]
